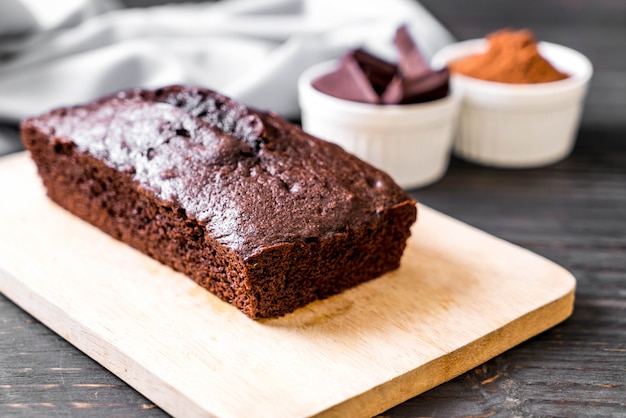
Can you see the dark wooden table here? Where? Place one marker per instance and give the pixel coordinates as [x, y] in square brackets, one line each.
[573, 212]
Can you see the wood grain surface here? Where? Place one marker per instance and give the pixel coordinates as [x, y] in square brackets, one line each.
[572, 212]
[459, 298]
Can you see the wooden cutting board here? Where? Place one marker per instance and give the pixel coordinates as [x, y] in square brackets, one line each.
[460, 298]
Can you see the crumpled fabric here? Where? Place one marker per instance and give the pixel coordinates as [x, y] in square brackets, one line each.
[63, 52]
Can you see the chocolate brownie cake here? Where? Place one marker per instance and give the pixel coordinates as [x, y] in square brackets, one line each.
[249, 206]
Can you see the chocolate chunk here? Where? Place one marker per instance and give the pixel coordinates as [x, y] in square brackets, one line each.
[378, 72]
[363, 77]
[411, 63]
[432, 86]
[347, 82]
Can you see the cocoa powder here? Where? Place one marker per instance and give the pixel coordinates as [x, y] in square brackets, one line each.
[512, 57]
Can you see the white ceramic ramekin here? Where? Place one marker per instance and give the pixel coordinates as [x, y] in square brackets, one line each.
[518, 125]
[412, 143]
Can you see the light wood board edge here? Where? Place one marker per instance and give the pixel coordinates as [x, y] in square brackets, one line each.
[457, 362]
[103, 352]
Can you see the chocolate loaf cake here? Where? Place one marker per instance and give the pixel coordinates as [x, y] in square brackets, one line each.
[249, 206]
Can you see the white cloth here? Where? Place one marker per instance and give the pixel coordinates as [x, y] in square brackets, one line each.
[252, 50]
